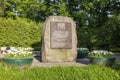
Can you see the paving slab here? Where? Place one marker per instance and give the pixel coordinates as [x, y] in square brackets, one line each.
[79, 62]
[37, 63]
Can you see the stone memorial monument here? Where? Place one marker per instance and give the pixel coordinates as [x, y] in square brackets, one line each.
[59, 40]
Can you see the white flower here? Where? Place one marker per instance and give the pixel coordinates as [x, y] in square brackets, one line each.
[82, 49]
[100, 53]
[4, 52]
[3, 48]
[29, 52]
[18, 52]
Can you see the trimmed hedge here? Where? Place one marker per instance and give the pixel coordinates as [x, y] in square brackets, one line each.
[90, 72]
[20, 32]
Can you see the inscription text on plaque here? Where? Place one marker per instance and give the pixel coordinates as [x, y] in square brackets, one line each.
[60, 35]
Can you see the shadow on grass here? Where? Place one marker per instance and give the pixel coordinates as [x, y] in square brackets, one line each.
[116, 66]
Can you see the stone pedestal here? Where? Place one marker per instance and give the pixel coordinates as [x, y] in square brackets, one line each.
[59, 40]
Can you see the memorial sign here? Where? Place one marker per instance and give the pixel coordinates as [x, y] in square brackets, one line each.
[60, 35]
[59, 40]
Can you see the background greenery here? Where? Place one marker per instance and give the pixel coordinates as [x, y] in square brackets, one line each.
[104, 37]
[20, 33]
[90, 72]
[98, 21]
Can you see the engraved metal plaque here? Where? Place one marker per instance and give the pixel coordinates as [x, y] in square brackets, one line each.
[60, 35]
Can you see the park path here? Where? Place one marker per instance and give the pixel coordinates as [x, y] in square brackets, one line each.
[80, 62]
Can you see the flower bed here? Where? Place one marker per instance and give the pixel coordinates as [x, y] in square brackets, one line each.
[101, 53]
[102, 57]
[17, 57]
[82, 52]
[17, 52]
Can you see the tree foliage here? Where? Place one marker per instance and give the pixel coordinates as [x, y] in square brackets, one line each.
[36, 10]
[97, 20]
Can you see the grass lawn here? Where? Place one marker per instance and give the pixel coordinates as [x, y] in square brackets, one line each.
[90, 72]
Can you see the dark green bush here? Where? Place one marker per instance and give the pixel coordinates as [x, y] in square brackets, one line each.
[104, 37]
[20, 32]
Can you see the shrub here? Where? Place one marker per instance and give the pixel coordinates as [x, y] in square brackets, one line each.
[99, 38]
[104, 37]
[20, 33]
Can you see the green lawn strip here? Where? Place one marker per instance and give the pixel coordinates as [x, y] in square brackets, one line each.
[90, 72]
